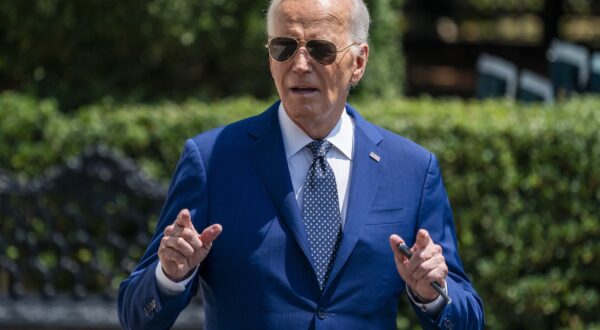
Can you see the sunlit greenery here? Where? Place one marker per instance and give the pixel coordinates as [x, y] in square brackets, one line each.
[523, 180]
[81, 52]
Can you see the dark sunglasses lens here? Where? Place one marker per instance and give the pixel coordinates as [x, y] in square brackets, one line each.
[322, 51]
[281, 49]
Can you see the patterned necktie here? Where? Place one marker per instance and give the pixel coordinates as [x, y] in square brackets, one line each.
[321, 211]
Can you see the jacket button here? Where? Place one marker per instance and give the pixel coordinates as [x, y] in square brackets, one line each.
[321, 314]
[448, 324]
[150, 307]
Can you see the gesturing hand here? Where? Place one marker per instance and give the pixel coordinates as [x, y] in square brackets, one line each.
[182, 249]
[426, 265]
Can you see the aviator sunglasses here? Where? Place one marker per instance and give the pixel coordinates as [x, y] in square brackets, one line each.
[324, 52]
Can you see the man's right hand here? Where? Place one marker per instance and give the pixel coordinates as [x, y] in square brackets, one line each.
[182, 249]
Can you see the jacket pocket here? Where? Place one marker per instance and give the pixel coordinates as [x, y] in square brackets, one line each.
[387, 216]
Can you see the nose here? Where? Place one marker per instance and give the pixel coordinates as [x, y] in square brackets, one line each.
[301, 61]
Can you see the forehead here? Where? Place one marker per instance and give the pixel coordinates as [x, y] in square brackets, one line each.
[311, 17]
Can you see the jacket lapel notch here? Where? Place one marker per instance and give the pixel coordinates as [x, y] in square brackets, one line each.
[365, 177]
[268, 157]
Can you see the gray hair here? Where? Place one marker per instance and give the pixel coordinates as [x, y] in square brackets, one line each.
[359, 21]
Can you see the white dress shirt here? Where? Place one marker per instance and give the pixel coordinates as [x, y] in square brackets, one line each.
[299, 157]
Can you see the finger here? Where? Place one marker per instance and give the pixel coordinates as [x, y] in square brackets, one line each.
[192, 238]
[209, 234]
[423, 255]
[169, 230]
[179, 244]
[394, 241]
[423, 239]
[431, 265]
[437, 274]
[428, 252]
[184, 219]
[400, 259]
[172, 256]
[190, 235]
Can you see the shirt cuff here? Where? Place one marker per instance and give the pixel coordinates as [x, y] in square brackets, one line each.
[433, 308]
[168, 287]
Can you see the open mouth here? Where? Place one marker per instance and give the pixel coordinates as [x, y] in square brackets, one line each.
[303, 90]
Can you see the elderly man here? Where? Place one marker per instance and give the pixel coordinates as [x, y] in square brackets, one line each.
[309, 203]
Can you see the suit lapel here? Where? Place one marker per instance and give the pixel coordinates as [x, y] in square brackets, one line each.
[267, 154]
[364, 180]
[268, 157]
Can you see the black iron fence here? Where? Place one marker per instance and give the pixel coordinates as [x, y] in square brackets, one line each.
[69, 237]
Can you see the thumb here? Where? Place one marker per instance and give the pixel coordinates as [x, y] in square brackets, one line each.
[395, 240]
[209, 234]
[423, 239]
[184, 219]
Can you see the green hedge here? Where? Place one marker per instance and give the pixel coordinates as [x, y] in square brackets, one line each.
[524, 182]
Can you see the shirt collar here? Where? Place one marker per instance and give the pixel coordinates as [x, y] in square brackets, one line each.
[294, 138]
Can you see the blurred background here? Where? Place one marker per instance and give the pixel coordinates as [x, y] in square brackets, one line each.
[98, 96]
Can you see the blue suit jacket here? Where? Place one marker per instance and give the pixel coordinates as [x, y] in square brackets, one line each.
[259, 273]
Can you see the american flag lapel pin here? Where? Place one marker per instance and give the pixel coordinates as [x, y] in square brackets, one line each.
[374, 156]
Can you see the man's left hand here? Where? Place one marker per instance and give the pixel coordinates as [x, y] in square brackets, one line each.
[426, 265]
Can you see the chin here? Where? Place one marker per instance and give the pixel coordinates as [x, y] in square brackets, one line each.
[302, 108]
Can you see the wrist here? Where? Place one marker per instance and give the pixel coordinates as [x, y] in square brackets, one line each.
[420, 299]
[434, 307]
[175, 278]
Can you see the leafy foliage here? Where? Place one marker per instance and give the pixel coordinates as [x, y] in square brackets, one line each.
[82, 52]
[524, 182]
[385, 70]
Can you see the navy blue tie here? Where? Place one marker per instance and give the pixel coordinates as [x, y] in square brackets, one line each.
[321, 211]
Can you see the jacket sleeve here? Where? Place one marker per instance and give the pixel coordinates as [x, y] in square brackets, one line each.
[140, 303]
[435, 215]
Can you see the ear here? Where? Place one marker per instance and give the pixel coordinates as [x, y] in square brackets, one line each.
[360, 63]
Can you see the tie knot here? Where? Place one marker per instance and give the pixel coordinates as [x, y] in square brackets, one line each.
[319, 148]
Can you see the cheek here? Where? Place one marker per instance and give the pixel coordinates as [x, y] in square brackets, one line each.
[276, 68]
[337, 80]
[277, 76]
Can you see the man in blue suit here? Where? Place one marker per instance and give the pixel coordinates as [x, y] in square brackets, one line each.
[309, 202]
